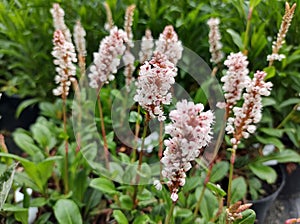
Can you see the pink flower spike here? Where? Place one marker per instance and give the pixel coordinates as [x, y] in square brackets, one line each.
[242, 125]
[235, 80]
[153, 85]
[169, 45]
[215, 45]
[65, 57]
[59, 22]
[190, 132]
[106, 60]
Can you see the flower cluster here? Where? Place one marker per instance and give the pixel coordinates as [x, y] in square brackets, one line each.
[154, 82]
[235, 80]
[245, 117]
[214, 36]
[64, 54]
[190, 132]
[59, 21]
[146, 47]
[107, 59]
[169, 45]
[79, 40]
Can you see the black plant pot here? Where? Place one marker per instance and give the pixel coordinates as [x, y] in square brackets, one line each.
[287, 204]
[9, 122]
[262, 206]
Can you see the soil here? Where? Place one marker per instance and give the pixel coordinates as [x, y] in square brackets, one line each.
[283, 209]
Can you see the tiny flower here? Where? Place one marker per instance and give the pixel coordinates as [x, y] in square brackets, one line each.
[153, 85]
[157, 185]
[106, 60]
[65, 57]
[215, 45]
[59, 21]
[174, 197]
[190, 132]
[146, 47]
[169, 45]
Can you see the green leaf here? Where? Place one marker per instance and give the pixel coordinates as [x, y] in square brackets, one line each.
[249, 217]
[270, 140]
[126, 202]
[219, 171]
[120, 217]
[268, 101]
[134, 116]
[270, 72]
[25, 104]
[182, 212]
[284, 156]
[43, 218]
[39, 172]
[273, 132]
[191, 184]
[20, 214]
[41, 134]
[263, 172]
[254, 3]
[238, 189]
[25, 142]
[216, 189]
[291, 101]
[104, 185]
[6, 180]
[67, 212]
[236, 38]
[208, 205]
[141, 219]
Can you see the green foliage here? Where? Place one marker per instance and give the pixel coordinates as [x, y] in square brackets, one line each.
[6, 180]
[238, 190]
[67, 212]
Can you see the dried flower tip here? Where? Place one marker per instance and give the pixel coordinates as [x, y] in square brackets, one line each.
[215, 44]
[65, 57]
[59, 21]
[109, 20]
[106, 60]
[169, 45]
[128, 24]
[153, 86]
[284, 27]
[79, 38]
[190, 132]
[146, 47]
